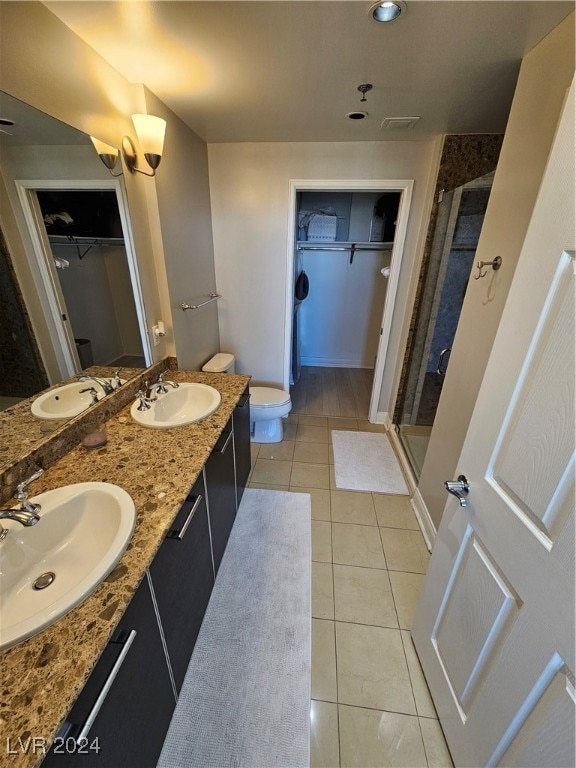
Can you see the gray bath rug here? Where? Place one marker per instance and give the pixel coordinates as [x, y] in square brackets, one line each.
[246, 696]
[365, 461]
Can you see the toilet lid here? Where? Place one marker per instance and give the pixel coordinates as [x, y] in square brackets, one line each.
[263, 396]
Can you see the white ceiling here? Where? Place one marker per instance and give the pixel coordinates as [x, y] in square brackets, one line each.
[288, 70]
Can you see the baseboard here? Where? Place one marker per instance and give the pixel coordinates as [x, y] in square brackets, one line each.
[424, 520]
[383, 417]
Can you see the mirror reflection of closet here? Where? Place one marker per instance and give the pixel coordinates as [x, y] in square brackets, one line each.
[32, 354]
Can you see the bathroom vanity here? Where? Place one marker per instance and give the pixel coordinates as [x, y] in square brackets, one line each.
[110, 671]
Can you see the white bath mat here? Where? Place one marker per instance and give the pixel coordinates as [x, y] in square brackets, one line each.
[245, 700]
[365, 461]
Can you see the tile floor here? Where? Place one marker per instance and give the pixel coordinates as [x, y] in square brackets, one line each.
[370, 703]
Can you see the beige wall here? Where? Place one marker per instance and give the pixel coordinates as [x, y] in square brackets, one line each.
[249, 185]
[183, 201]
[545, 76]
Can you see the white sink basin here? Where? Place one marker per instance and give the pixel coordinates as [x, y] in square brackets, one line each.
[185, 405]
[82, 532]
[66, 401]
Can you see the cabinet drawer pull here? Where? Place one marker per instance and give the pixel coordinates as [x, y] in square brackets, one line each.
[182, 532]
[93, 714]
[221, 450]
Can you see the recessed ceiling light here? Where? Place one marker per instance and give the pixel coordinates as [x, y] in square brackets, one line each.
[357, 115]
[387, 11]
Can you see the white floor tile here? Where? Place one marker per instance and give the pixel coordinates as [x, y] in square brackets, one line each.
[371, 738]
[372, 670]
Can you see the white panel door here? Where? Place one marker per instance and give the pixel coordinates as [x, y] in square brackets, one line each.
[494, 628]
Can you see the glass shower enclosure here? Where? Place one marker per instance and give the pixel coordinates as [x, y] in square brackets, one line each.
[459, 223]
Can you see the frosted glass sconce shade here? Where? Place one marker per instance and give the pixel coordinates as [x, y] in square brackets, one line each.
[106, 153]
[150, 131]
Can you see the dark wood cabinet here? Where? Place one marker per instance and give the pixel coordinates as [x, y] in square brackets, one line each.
[182, 578]
[221, 489]
[132, 684]
[242, 451]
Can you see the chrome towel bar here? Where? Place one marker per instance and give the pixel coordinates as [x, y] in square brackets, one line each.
[212, 297]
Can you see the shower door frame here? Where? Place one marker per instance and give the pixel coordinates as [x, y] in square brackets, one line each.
[405, 188]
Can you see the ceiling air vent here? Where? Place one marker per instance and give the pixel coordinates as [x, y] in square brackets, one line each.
[398, 123]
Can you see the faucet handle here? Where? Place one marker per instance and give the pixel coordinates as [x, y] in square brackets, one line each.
[21, 487]
[22, 494]
[117, 379]
[145, 402]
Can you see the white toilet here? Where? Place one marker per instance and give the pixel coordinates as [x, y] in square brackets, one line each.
[268, 405]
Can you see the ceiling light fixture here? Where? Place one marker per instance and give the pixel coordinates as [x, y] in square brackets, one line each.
[357, 115]
[387, 11]
[150, 131]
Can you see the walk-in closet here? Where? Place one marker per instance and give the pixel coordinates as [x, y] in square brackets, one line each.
[342, 264]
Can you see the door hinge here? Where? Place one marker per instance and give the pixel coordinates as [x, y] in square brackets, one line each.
[440, 196]
[64, 318]
[381, 331]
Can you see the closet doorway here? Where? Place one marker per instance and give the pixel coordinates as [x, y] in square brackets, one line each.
[344, 261]
[82, 243]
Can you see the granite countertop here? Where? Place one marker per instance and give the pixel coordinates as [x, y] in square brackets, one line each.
[21, 431]
[42, 676]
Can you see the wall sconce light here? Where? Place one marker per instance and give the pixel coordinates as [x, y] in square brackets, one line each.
[106, 153]
[150, 131]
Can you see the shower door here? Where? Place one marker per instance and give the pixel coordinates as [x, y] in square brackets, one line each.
[460, 218]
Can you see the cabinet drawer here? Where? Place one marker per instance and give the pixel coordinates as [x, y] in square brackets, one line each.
[113, 712]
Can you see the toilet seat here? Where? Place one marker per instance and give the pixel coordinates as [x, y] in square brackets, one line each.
[268, 397]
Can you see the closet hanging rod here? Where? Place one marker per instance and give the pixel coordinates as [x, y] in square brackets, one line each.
[352, 247]
[213, 297]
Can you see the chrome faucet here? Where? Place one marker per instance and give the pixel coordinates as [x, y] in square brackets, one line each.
[27, 515]
[106, 385]
[161, 385]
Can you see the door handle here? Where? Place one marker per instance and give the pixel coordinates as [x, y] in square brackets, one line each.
[459, 488]
[439, 370]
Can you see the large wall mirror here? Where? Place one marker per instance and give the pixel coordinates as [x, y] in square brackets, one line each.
[70, 296]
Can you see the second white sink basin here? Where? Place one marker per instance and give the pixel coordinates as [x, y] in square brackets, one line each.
[82, 533]
[188, 403]
[66, 401]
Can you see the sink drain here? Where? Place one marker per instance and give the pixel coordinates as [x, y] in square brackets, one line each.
[44, 580]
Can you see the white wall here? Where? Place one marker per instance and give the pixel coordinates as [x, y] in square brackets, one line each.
[545, 76]
[249, 185]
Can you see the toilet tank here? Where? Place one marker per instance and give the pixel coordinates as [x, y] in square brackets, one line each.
[223, 362]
